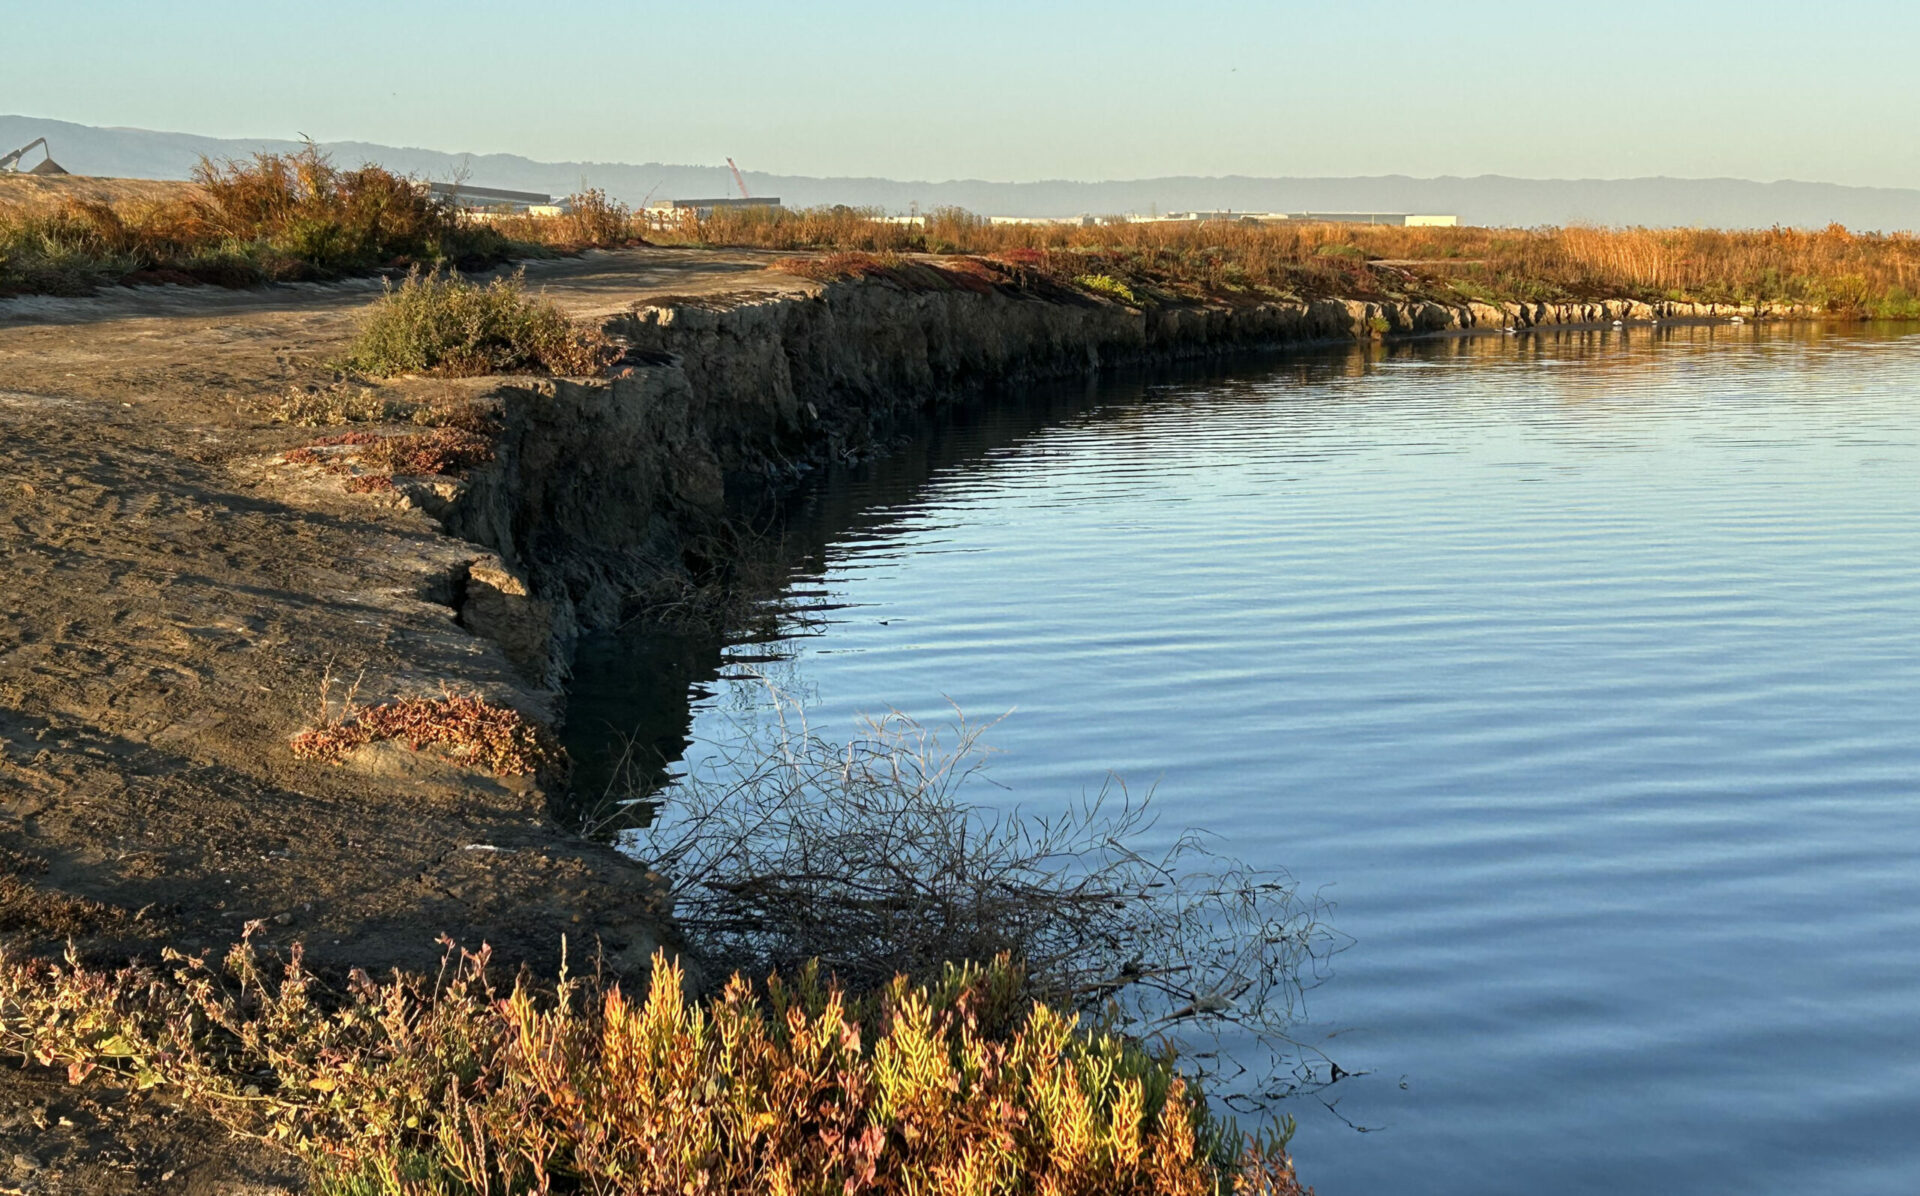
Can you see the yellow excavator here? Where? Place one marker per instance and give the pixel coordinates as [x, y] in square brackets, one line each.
[10, 163]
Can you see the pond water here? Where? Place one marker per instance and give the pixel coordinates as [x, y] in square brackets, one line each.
[1581, 670]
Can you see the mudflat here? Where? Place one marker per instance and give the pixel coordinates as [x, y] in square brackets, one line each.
[174, 606]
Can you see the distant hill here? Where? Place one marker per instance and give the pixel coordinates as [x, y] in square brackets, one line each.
[1486, 199]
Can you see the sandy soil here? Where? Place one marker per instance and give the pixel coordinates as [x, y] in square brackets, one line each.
[172, 605]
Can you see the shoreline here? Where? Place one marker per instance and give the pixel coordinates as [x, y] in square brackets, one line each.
[187, 596]
[597, 491]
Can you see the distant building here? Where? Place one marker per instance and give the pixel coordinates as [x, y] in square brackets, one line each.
[493, 199]
[669, 211]
[1082, 220]
[1212, 215]
[1401, 219]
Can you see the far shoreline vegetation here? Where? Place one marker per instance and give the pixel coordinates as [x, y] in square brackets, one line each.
[297, 217]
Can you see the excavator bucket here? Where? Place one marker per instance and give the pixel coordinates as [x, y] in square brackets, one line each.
[48, 166]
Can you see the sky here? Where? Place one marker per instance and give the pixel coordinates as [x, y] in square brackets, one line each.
[1017, 91]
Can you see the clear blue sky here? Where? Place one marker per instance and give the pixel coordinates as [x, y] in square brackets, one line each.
[1004, 90]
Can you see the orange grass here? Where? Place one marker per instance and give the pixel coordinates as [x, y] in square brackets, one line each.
[419, 1087]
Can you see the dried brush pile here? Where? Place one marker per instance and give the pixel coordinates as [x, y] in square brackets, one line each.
[495, 738]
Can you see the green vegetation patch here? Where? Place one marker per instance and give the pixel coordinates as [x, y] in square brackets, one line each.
[1106, 284]
[434, 323]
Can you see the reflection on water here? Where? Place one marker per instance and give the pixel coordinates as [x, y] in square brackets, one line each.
[1582, 670]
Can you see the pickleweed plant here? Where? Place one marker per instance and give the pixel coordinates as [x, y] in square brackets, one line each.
[454, 1085]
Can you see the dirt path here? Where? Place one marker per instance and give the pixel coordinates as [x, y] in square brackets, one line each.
[172, 605]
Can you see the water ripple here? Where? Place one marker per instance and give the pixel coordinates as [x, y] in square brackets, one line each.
[1583, 670]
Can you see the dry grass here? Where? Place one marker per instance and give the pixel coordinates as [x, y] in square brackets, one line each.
[500, 740]
[347, 402]
[592, 221]
[1829, 269]
[370, 461]
[297, 216]
[276, 217]
[24, 904]
[451, 1085]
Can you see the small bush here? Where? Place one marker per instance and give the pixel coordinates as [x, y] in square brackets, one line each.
[435, 323]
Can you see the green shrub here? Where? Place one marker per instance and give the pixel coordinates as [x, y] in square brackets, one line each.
[434, 323]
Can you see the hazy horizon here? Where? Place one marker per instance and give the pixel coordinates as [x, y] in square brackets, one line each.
[997, 91]
[720, 165]
[1484, 199]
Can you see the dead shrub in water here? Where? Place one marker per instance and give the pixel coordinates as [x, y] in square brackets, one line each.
[435, 323]
[498, 739]
[868, 857]
[418, 1087]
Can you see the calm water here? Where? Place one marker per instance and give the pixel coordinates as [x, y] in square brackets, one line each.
[1582, 671]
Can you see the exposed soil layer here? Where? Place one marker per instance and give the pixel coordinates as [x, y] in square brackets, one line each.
[180, 598]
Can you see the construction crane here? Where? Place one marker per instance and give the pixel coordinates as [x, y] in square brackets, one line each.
[11, 162]
[737, 180]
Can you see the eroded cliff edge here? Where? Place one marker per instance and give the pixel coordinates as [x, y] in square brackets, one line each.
[601, 488]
